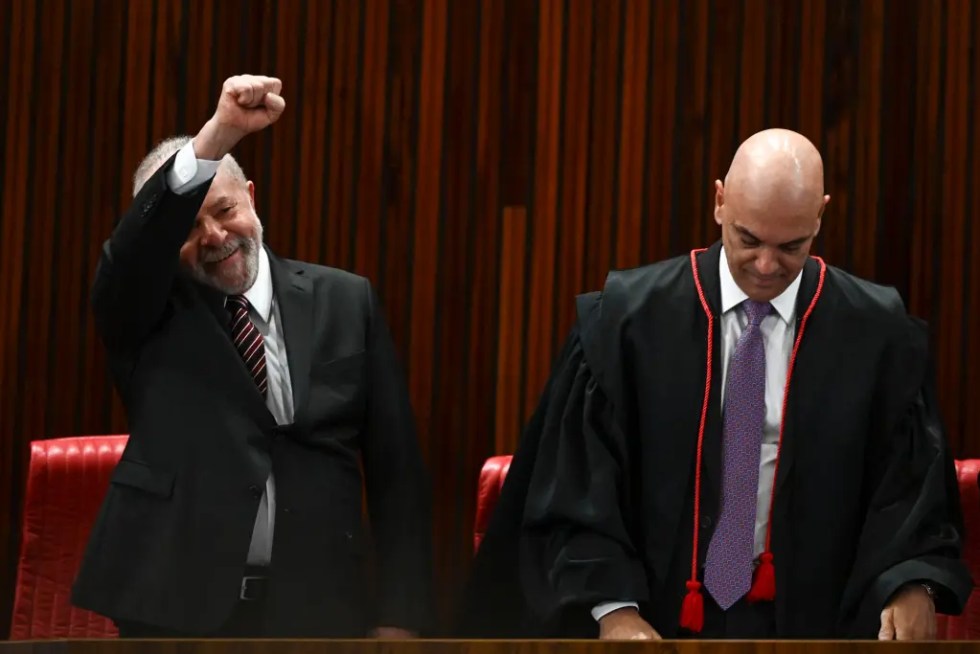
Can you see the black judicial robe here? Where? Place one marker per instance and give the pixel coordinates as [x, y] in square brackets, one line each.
[598, 504]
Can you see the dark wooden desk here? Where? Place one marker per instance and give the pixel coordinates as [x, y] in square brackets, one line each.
[474, 647]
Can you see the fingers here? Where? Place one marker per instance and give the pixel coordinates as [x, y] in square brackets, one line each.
[274, 105]
[251, 90]
[887, 631]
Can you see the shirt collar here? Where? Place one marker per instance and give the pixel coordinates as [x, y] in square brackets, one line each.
[732, 295]
[260, 295]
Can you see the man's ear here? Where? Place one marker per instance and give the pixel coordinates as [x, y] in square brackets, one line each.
[719, 199]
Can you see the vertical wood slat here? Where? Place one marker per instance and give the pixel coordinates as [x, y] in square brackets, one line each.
[838, 129]
[108, 181]
[164, 77]
[896, 142]
[370, 179]
[601, 211]
[425, 255]
[339, 187]
[520, 83]
[721, 121]
[632, 137]
[867, 146]
[279, 194]
[812, 52]
[953, 253]
[18, 78]
[691, 203]
[540, 311]
[64, 356]
[570, 236]
[200, 86]
[925, 159]
[137, 137]
[481, 385]
[451, 365]
[752, 71]
[510, 332]
[663, 113]
[785, 32]
[313, 136]
[400, 166]
[41, 245]
[970, 377]
[15, 200]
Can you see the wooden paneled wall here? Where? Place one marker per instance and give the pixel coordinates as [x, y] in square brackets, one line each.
[481, 162]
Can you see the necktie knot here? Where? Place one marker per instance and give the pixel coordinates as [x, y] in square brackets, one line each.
[756, 311]
[236, 303]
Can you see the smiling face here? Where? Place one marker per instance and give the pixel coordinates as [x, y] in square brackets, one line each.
[769, 210]
[222, 249]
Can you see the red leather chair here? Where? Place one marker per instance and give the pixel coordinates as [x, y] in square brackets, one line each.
[491, 481]
[967, 625]
[66, 483]
[962, 627]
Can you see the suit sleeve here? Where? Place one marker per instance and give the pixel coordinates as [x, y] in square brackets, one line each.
[578, 546]
[913, 527]
[397, 486]
[140, 259]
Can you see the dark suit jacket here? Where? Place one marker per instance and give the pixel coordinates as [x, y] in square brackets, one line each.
[170, 543]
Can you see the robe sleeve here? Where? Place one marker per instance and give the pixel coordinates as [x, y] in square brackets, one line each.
[493, 603]
[913, 528]
[577, 540]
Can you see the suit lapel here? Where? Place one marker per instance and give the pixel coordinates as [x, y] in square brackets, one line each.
[239, 381]
[215, 302]
[294, 296]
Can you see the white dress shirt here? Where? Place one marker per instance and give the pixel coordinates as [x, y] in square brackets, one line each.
[778, 331]
[188, 173]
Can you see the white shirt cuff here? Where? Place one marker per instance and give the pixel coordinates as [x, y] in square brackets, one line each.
[189, 172]
[599, 611]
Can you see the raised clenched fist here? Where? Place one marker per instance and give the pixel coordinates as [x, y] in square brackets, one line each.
[247, 104]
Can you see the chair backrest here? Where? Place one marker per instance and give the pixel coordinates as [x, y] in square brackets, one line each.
[962, 627]
[66, 483]
[967, 625]
[488, 491]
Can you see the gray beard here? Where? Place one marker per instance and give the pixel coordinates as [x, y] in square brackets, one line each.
[250, 255]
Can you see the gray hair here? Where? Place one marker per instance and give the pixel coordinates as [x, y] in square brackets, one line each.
[166, 149]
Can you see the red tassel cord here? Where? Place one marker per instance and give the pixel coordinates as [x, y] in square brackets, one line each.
[692, 611]
[764, 582]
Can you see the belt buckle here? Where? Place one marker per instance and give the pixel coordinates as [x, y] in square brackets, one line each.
[244, 594]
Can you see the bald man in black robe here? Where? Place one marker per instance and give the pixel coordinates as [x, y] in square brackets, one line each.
[738, 443]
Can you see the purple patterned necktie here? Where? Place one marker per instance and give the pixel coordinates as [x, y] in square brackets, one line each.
[248, 340]
[728, 567]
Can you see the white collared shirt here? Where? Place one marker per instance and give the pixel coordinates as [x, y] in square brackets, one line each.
[778, 332]
[188, 173]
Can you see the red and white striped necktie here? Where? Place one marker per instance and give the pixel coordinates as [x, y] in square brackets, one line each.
[248, 340]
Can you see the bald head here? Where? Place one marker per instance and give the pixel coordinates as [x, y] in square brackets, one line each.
[776, 164]
[769, 208]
